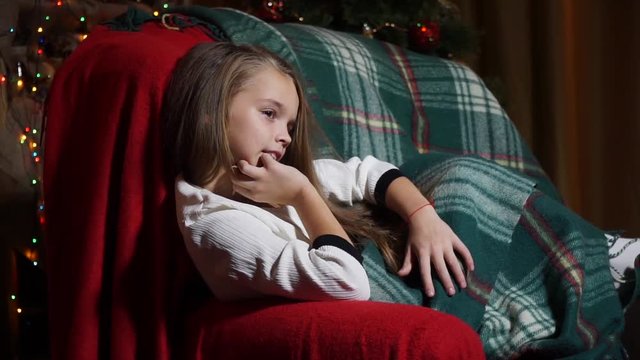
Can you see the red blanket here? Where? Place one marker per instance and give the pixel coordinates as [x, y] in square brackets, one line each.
[118, 271]
[115, 256]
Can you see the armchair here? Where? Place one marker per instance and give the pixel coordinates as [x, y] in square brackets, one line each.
[121, 285]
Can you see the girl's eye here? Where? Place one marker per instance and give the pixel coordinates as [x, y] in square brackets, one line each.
[269, 113]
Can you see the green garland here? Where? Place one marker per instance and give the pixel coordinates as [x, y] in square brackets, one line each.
[389, 20]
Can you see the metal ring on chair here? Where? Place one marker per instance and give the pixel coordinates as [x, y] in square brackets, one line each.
[164, 22]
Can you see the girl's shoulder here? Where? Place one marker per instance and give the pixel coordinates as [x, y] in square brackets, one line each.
[193, 203]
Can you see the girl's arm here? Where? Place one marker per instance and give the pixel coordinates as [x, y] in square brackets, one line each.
[431, 241]
[354, 180]
[316, 215]
[275, 183]
[240, 256]
[243, 251]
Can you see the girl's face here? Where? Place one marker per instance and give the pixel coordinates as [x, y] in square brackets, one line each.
[262, 116]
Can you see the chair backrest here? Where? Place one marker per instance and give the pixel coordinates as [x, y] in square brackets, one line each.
[117, 266]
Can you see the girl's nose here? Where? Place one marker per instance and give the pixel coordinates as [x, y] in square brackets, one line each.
[283, 137]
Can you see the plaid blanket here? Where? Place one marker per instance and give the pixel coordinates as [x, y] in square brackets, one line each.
[374, 98]
[542, 286]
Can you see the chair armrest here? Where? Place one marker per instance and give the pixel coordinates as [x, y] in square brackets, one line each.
[279, 329]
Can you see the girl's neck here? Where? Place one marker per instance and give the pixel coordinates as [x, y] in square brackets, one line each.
[222, 186]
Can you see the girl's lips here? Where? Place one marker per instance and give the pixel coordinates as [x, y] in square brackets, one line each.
[274, 154]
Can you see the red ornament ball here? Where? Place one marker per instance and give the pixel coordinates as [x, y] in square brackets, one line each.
[271, 10]
[424, 36]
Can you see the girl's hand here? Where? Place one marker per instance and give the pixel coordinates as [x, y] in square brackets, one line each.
[431, 242]
[273, 183]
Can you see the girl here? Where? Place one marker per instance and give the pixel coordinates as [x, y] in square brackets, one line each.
[259, 217]
[254, 208]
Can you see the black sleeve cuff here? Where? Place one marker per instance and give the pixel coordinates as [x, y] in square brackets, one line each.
[383, 184]
[337, 241]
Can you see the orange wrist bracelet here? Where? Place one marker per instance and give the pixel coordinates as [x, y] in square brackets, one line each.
[430, 202]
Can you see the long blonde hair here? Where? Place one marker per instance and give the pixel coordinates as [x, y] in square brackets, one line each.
[196, 112]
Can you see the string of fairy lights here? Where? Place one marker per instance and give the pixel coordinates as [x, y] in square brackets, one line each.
[34, 85]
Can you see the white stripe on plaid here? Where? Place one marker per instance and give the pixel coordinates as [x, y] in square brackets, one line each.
[485, 126]
[516, 315]
[305, 38]
[493, 195]
[565, 264]
[354, 62]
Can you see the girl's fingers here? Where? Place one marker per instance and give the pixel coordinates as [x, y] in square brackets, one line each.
[249, 170]
[267, 160]
[245, 184]
[462, 249]
[244, 188]
[425, 270]
[406, 265]
[241, 191]
[443, 273]
[456, 268]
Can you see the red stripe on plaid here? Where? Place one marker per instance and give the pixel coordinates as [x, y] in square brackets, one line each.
[354, 113]
[419, 117]
[352, 110]
[353, 122]
[478, 289]
[586, 330]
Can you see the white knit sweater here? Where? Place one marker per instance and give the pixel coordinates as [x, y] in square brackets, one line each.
[246, 251]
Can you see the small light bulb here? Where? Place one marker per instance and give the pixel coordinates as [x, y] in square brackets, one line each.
[155, 13]
[166, 6]
[34, 181]
[40, 29]
[34, 89]
[47, 17]
[35, 263]
[34, 240]
[13, 297]
[34, 131]
[82, 18]
[38, 75]
[19, 311]
[20, 83]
